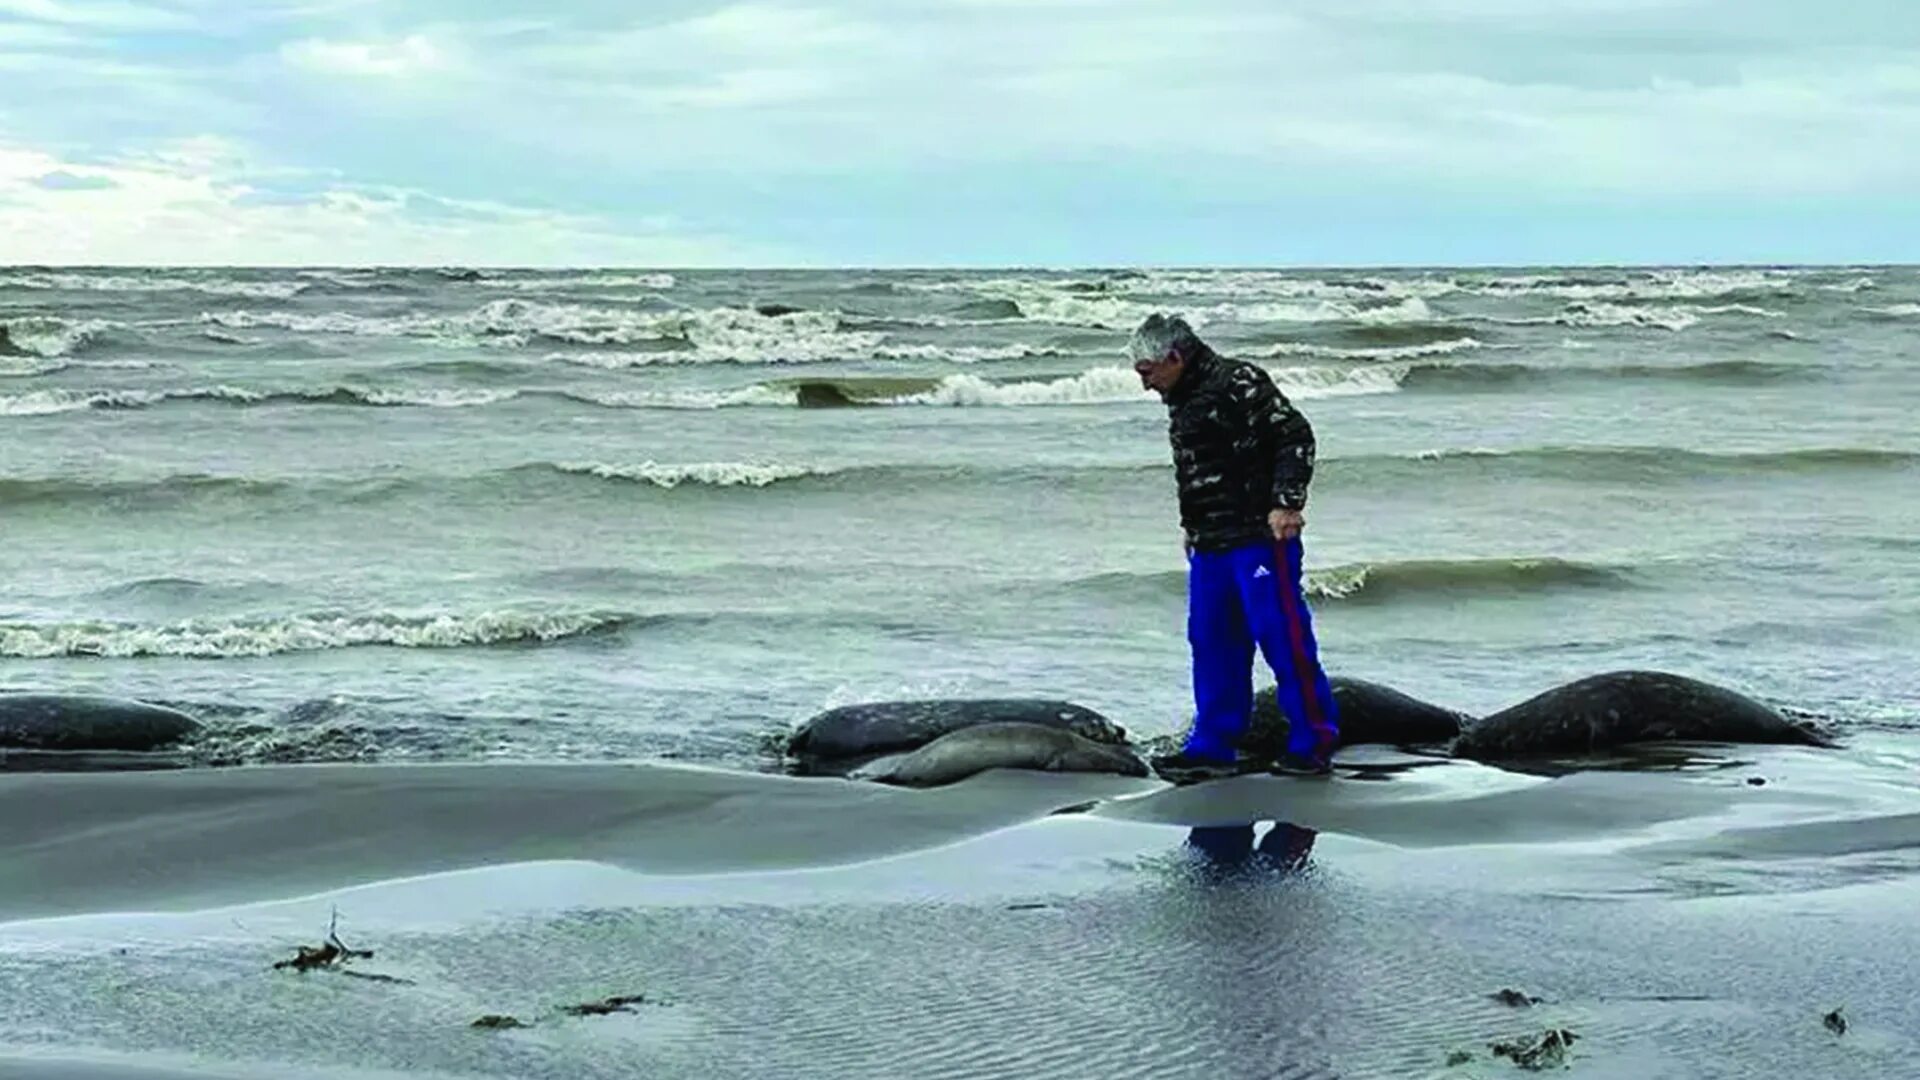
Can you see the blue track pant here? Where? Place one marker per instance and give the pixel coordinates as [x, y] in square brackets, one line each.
[1239, 599]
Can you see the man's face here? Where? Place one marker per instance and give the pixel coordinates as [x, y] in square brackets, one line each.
[1160, 375]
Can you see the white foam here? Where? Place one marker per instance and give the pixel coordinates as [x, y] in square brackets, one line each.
[1336, 583]
[746, 396]
[1111, 300]
[588, 281]
[961, 354]
[620, 361]
[1446, 347]
[846, 346]
[262, 290]
[1666, 317]
[1120, 385]
[344, 279]
[49, 402]
[1859, 284]
[1899, 310]
[709, 473]
[1106, 313]
[434, 399]
[50, 335]
[1457, 452]
[332, 322]
[45, 402]
[1259, 284]
[1654, 285]
[15, 367]
[715, 334]
[1099, 386]
[1318, 382]
[1409, 309]
[1047, 302]
[209, 638]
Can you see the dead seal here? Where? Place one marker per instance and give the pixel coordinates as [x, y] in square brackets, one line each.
[1621, 707]
[1370, 712]
[1004, 745]
[71, 722]
[840, 740]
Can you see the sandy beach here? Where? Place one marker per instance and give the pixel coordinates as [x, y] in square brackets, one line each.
[1680, 918]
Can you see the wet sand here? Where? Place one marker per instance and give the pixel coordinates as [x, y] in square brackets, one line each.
[1684, 922]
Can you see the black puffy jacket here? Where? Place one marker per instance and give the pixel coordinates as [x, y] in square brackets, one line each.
[1240, 450]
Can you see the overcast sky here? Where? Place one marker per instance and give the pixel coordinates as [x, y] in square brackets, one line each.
[959, 132]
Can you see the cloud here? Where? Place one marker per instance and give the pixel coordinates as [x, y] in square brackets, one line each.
[93, 13]
[192, 204]
[850, 126]
[61, 180]
[410, 55]
[1495, 93]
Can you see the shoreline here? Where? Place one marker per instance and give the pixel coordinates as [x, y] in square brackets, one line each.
[1682, 922]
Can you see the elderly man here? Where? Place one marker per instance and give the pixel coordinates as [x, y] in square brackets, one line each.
[1243, 457]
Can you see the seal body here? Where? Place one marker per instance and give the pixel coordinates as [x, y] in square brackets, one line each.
[1620, 707]
[82, 722]
[1370, 712]
[961, 754]
[839, 740]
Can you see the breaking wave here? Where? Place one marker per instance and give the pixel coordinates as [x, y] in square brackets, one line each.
[1272, 285]
[1671, 317]
[1114, 314]
[960, 354]
[1859, 284]
[1371, 581]
[757, 395]
[707, 474]
[48, 402]
[300, 633]
[713, 334]
[1389, 580]
[1442, 347]
[1649, 285]
[48, 336]
[122, 283]
[1099, 386]
[587, 281]
[1897, 311]
[1107, 385]
[1109, 305]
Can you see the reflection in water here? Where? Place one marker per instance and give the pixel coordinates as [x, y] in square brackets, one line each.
[1284, 849]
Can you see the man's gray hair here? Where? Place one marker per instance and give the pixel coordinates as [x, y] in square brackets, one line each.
[1161, 336]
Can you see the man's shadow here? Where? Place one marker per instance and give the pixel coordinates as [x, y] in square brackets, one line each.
[1286, 849]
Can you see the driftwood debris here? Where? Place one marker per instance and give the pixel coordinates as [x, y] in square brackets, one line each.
[332, 955]
[607, 1007]
[1547, 1050]
[329, 953]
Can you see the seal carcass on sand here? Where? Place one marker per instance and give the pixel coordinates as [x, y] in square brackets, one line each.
[840, 740]
[1620, 707]
[84, 722]
[961, 754]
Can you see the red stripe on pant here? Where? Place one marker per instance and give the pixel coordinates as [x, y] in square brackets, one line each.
[1288, 584]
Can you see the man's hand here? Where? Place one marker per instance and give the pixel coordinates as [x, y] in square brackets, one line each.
[1286, 524]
